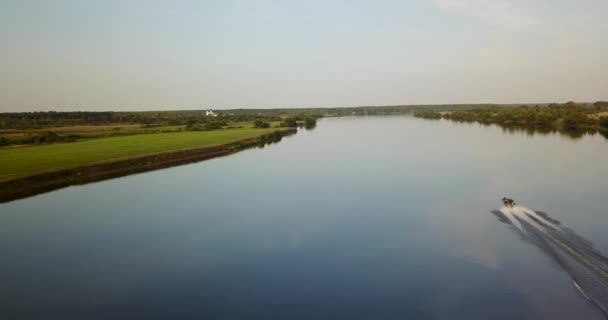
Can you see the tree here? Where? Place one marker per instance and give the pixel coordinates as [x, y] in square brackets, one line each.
[310, 122]
[4, 142]
[213, 125]
[574, 121]
[291, 121]
[427, 114]
[601, 104]
[191, 122]
[259, 123]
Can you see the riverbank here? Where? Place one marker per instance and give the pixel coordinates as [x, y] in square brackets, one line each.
[28, 171]
[568, 117]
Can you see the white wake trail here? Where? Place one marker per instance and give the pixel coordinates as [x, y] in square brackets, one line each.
[507, 212]
[587, 267]
[517, 213]
[537, 216]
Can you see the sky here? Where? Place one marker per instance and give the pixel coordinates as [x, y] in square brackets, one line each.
[163, 55]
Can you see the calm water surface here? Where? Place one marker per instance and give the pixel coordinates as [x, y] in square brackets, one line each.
[376, 218]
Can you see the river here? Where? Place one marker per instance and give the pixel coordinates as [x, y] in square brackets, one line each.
[361, 217]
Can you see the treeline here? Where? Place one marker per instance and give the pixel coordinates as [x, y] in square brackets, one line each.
[39, 120]
[569, 116]
[193, 118]
[198, 118]
[307, 122]
[44, 137]
[38, 127]
[573, 115]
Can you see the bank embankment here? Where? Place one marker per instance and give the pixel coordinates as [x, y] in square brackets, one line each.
[24, 184]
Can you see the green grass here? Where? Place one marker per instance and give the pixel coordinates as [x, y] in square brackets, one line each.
[20, 162]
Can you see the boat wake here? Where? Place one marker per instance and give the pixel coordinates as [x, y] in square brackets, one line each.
[587, 266]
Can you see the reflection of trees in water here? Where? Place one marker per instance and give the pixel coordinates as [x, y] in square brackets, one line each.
[310, 126]
[544, 131]
[269, 139]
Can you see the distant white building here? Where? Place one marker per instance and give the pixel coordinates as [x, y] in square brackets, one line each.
[210, 113]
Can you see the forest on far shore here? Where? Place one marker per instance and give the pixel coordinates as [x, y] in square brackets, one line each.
[569, 116]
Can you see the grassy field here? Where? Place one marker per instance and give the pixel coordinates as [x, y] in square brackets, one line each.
[24, 161]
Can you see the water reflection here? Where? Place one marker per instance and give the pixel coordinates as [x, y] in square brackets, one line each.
[573, 134]
[375, 217]
[544, 131]
[310, 126]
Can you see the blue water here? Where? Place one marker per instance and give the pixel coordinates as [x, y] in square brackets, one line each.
[362, 217]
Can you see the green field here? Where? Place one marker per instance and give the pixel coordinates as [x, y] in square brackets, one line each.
[20, 162]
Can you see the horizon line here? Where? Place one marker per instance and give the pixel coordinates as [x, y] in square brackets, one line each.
[295, 108]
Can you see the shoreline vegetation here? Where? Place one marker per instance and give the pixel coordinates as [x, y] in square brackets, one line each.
[569, 118]
[17, 181]
[44, 151]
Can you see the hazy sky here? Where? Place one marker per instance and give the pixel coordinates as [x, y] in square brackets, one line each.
[139, 55]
